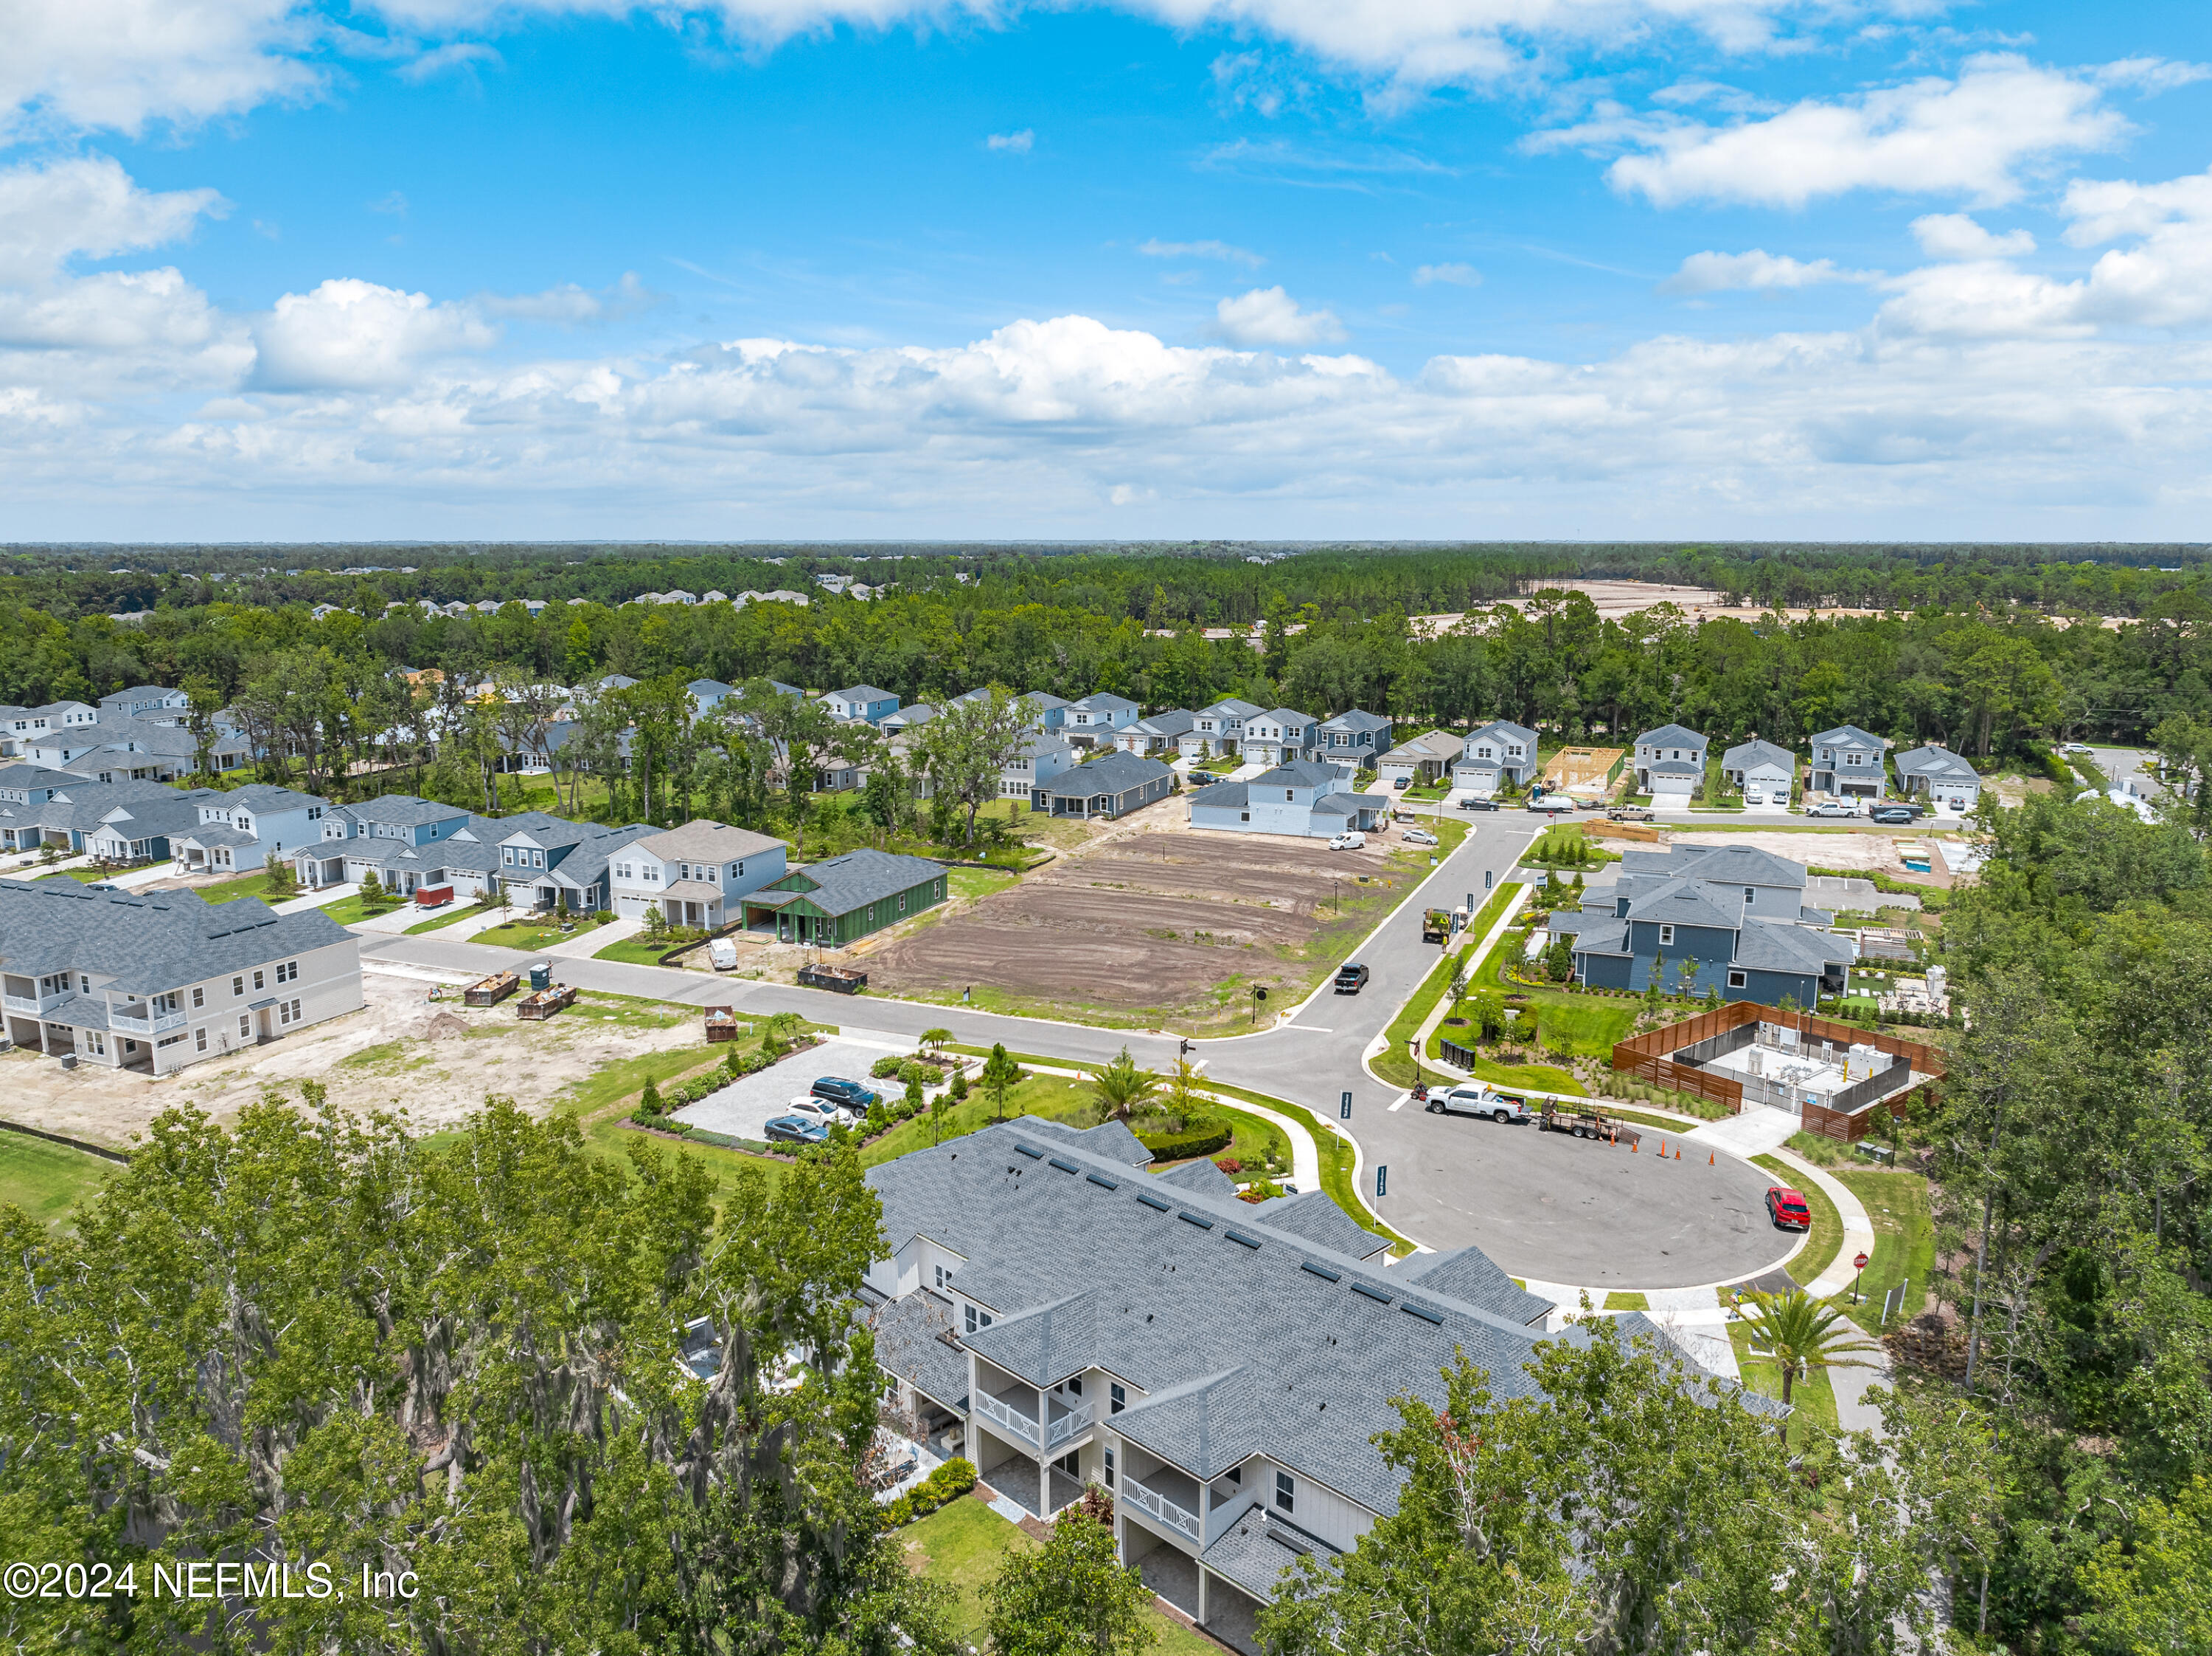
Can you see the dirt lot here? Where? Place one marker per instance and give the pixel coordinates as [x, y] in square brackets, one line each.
[400, 1052]
[1160, 925]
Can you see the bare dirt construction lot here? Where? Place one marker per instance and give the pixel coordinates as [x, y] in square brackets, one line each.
[436, 1061]
[1158, 926]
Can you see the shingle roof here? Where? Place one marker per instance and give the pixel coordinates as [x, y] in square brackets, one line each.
[842, 884]
[1469, 1274]
[1671, 736]
[1232, 705]
[1117, 773]
[701, 841]
[1222, 796]
[1779, 946]
[1849, 735]
[1103, 702]
[1298, 773]
[1935, 762]
[1430, 744]
[1745, 755]
[1201, 1176]
[1503, 727]
[1690, 902]
[1178, 722]
[1112, 1139]
[1313, 1215]
[400, 810]
[862, 693]
[1736, 865]
[148, 943]
[906, 1344]
[1353, 719]
[263, 797]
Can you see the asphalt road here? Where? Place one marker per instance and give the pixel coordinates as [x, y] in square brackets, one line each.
[1541, 1204]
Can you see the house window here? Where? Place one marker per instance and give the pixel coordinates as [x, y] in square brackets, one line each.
[238, 985]
[1243, 815]
[943, 1279]
[1666, 936]
[1286, 1493]
[287, 972]
[1116, 1398]
[971, 1318]
[1287, 794]
[256, 980]
[84, 983]
[1738, 980]
[246, 1026]
[199, 1040]
[1750, 895]
[1110, 1465]
[1075, 1386]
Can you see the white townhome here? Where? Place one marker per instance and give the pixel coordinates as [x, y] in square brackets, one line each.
[154, 980]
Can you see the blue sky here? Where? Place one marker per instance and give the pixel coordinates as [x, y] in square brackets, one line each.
[1516, 268]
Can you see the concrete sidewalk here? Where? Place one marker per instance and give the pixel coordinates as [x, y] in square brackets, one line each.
[1754, 1130]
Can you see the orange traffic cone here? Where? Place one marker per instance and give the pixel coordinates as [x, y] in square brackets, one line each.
[1709, 1160]
[1634, 1148]
[1678, 1156]
[1663, 1147]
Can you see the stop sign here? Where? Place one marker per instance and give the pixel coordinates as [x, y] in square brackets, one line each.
[1861, 1262]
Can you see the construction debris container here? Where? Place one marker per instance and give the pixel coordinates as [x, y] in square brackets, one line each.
[541, 975]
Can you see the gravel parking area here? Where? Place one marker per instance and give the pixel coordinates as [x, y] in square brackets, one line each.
[743, 1108]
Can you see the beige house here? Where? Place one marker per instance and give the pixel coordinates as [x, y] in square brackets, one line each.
[694, 875]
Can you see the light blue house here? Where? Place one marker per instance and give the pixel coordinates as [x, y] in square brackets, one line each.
[861, 701]
[1091, 722]
[243, 829]
[1303, 798]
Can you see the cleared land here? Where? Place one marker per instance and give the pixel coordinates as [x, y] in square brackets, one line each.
[1165, 926]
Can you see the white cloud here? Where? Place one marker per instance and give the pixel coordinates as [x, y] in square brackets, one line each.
[1756, 271]
[88, 206]
[1269, 316]
[1456, 275]
[570, 305]
[1954, 235]
[1975, 136]
[1220, 249]
[1015, 143]
[350, 334]
[458, 57]
[79, 65]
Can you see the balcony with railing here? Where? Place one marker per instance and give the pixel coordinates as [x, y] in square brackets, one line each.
[141, 1021]
[1007, 1416]
[1161, 1507]
[1014, 1412]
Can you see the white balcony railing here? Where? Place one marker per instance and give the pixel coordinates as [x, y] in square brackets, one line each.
[145, 1026]
[1000, 1415]
[1067, 1425]
[23, 1003]
[1162, 1510]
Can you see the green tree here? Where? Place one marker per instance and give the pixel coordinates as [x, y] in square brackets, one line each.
[1070, 1596]
[1806, 1336]
[1120, 1088]
[966, 749]
[2153, 1597]
[1000, 1072]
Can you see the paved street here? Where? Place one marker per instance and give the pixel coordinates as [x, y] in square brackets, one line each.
[1543, 1204]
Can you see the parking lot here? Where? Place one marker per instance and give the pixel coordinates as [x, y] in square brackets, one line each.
[743, 1108]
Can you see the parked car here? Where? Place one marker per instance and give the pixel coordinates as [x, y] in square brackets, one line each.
[808, 1107]
[1354, 840]
[1351, 978]
[1833, 808]
[795, 1130]
[1787, 1208]
[1403, 784]
[1895, 814]
[2077, 746]
[1420, 837]
[1551, 804]
[1478, 1100]
[852, 1095]
[1629, 813]
[1476, 802]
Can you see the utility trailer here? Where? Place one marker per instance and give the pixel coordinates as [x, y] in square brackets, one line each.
[1588, 1123]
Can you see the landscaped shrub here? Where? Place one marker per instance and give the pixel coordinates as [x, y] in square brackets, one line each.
[1202, 1139]
[1228, 1164]
[959, 1084]
[886, 1067]
[648, 1101]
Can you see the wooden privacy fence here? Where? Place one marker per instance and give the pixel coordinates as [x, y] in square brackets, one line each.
[1657, 1056]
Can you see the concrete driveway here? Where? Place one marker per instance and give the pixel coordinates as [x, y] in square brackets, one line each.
[743, 1108]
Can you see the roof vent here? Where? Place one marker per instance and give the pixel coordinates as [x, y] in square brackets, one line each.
[1322, 1271]
[1370, 1291]
[1239, 1236]
[1422, 1312]
[1064, 1166]
[1153, 1202]
[1034, 1156]
[1198, 1219]
[1102, 1180]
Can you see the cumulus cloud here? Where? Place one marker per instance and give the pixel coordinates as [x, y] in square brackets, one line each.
[349, 335]
[1975, 136]
[88, 206]
[1269, 316]
[1455, 276]
[1014, 144]
[1954, 235]
[77, 65]
[1220, 249]
[1756, 271]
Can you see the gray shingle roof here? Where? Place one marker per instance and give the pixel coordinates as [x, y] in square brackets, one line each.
[842, 884]
[1201, 1176]
[1849, 735]
[1671, 736]
[1353, 719]
[1296, 773]
[1116, 774]
[1690, 902]
[1735, 865]
[1745, 755]
[1313, 1215]
[1469, 1274]
[1111, 1139]
[1779, 946]
[149, 942]
[1222, 796]
[861, 693]
[400, 810]
[702, 840]
[906, 1345]
[1932, 762]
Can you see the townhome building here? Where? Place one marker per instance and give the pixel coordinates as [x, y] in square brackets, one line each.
[841, 900]
[1219, 730]
[1305, 797]
[1092, 723]
[1762, 773]
[21, 726]
[115, 821]
[1156, 733]
[1493, 755]
[861, 701]
[1281, 735]
[709, 693]
[1360, 736]
[1419, 760]
[143, 699]
[463, 852]
[141, 830]
[389, 824]
[1670, 764]
[696, 874]
[1847, 763]
[1221, 1368]
[1944, 779]
[1112, 786]
[1732, 919]
[245, 827]
[1041, 758]
[155, 981]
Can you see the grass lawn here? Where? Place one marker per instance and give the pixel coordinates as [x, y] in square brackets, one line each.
[1904, 1241]
[1826, 1239]
[1627, 1300]
[85, 876]
[348, 911]
[1393, 1064]
[47, 1180]
[533, 934]
[973, 882]
[961, 1544]
[255, 884]
[457, 912]
[1056, 1098]
[1812, 1397]
[634, 951]
[1542, 1078]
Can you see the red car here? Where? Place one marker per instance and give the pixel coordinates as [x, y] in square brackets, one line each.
[1787, 1208]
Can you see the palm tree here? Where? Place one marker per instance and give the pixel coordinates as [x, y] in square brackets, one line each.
[1121, 1086]
[1806, 1334]
[933, 1039]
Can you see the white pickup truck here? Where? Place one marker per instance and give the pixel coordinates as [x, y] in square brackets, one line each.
[1478, 1100]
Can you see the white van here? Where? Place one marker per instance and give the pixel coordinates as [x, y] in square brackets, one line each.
[723, 953]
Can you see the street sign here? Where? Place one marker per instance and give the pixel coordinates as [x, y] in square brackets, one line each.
[1489, 879]
[1344, 1109]
[1894, 1301]
[1381, 1180]
[1860, 1263]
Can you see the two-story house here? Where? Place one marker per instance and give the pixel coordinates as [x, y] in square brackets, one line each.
[139, 830]
[1847, 763]
[1280, 736]
[1042, 757]
[385, 824]
[1091, 723]
[1218, 730]
[912, 717]
[141, 699]
[694, 875]
[19, 727]
[1157, 734]
[1732, 919]
[42, 807]
[1360, 738]
[1306, 798]
[243, 829]
[1048, 714]
[709, 693]
[1760, 771]
[154, 980]
[861, 701]
[1494, 755]
[1221, 1368]
[1951, 786]
[1670, 765]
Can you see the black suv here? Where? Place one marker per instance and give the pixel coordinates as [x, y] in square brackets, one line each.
[838, 1090]
[1351, 979]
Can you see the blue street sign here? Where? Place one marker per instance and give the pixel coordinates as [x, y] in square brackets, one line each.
[1489, 878]
[1343, 1110]
[1382, 1181]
